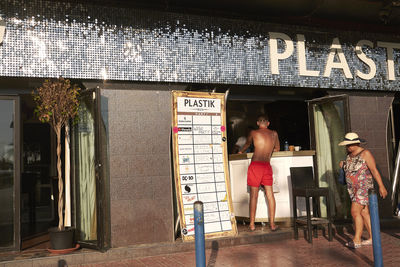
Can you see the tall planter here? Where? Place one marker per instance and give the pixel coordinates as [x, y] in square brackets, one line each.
[61, 239]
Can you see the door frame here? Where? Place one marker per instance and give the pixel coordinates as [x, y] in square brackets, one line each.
[347, 124]
[326, 99]
[17, 172]
[102, 200]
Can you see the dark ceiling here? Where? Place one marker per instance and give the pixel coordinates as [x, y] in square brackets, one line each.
[370, 14]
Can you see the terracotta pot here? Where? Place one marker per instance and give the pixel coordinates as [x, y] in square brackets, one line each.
[63, 239]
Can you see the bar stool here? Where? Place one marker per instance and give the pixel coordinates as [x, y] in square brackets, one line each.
[303, 185]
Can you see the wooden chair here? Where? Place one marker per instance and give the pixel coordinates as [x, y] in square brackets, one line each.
[303, 185]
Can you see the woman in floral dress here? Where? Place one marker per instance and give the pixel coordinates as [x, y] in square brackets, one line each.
[360, 168]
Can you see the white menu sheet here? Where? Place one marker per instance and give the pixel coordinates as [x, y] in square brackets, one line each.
[200, 141]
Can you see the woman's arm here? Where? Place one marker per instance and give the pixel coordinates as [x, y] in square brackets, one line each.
[370, 160]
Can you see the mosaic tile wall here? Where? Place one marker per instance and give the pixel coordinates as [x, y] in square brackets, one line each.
[49, 39]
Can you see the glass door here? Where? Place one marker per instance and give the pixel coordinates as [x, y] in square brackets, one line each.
[9, 173]
[329, 121]
[38, 177]
[90, 211]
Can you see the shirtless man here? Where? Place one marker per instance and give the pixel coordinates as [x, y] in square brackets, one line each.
[260, 172]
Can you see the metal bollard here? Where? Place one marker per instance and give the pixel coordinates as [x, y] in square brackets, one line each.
[375, 227]
[199, 234]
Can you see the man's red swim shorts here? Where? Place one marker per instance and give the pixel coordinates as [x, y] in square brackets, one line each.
[259, 173]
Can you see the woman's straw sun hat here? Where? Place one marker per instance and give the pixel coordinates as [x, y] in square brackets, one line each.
[351, 138]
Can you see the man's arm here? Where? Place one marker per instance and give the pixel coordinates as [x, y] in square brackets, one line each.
[370, 160]
[248, 143]
[277, 146]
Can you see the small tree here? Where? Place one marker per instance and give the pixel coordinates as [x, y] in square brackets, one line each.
[56, 103]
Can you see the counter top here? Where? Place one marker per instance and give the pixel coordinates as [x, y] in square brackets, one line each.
[275, 154]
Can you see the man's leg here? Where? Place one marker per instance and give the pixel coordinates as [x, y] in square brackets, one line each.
[271, 205]
[253, 206]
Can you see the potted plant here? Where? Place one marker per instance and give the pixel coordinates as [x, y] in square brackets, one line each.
[56, 103]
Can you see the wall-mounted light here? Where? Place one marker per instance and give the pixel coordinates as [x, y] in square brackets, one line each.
[2, 30]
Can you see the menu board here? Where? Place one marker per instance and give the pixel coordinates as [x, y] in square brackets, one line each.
[200, 162]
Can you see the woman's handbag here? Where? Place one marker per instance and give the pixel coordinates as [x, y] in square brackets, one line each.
[342, 177]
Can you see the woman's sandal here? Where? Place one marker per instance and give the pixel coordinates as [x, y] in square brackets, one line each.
[252, 229]
[367, 242]
[351, 244]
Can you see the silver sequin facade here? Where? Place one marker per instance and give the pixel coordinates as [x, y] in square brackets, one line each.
[51, 39]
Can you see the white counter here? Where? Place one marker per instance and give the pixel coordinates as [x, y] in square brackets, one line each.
[281, 162]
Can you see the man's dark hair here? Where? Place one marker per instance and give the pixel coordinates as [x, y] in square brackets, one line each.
[262, 116]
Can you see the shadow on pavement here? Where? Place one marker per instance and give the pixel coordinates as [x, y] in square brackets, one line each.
[343, 237]
[395, 235]
[214, 254]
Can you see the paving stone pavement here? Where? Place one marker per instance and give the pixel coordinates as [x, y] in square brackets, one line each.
[280, 254]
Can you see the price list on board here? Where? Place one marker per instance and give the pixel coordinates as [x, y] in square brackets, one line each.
[200, 146]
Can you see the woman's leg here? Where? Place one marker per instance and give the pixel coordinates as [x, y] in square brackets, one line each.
[358, 221]
[367, 220]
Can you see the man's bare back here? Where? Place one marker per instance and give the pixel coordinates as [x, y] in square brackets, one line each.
[265, 141]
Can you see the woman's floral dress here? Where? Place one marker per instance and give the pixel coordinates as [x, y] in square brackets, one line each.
[358, 179]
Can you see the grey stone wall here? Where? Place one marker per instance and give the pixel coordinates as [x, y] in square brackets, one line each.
[369, 118]
[139, 125]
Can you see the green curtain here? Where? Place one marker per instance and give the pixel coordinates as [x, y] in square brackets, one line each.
[324, 158]
[86, 183]
[329, 131]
